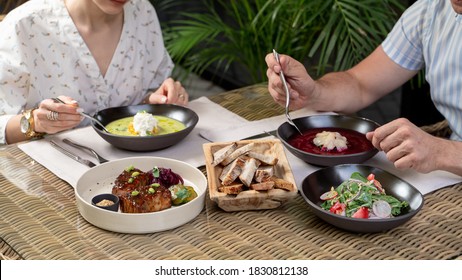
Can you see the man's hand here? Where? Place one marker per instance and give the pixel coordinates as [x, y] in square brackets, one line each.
[407, 146]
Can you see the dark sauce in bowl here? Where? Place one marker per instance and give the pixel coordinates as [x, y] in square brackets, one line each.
[356, 141]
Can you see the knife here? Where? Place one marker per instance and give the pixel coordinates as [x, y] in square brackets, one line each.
[261, 135]
[72, 155]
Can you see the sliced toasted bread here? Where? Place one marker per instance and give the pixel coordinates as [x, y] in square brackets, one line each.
[231, 172]
[238, 152]
[264, 186]
[222, 153]
[263, 173]
[234, 188]
[248, 171]
[265, 158]
[282, 184]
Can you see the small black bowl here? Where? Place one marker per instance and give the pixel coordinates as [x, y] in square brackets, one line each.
[362, 125]
[106, 196]
[146, 143]
[321, 181]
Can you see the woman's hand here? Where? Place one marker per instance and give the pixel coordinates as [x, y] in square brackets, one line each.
[52, 117]
[407, 146]
[171, 92]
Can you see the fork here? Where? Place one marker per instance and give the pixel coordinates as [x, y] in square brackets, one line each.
[56, 99]
[286, 88]
[97, 156]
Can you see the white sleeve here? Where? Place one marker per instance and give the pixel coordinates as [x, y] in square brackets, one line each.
[14, 76]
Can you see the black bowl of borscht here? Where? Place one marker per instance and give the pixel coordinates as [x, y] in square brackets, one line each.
[329, 140]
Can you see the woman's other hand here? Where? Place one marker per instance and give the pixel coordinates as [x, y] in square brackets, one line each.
[171, 92]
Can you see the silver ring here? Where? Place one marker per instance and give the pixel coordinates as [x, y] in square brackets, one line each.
[49, 116]
[52, 115]
[181, 96]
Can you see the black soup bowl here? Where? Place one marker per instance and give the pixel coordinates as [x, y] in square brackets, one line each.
[146, 143]
[321, 181]
[306, 124]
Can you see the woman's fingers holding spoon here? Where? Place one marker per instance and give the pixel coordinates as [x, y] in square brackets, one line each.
[83, 114]
[65, 104]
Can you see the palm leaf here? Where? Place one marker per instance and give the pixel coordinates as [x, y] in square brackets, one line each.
[336, 34]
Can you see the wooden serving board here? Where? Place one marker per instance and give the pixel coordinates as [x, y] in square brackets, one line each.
[250, 199]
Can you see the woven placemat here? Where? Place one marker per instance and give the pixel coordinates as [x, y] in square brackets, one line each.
[40, 220]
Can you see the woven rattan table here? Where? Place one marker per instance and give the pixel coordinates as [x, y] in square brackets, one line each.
[40, 220]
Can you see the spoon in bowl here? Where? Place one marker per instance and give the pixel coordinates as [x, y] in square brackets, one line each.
[84, 114]
[286, 88]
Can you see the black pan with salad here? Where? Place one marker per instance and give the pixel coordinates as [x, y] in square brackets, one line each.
[362, 197]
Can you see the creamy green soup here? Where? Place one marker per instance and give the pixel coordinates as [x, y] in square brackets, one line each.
[165, 125]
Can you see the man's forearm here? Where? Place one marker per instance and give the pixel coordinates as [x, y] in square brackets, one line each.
[339, 92]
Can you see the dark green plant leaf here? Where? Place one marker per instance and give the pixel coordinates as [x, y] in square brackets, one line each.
[335, 34]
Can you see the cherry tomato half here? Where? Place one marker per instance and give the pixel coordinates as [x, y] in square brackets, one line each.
[376, 183]
[338, 208]
[362, 213]
[371, 177]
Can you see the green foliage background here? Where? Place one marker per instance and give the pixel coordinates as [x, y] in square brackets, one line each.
[326, 35]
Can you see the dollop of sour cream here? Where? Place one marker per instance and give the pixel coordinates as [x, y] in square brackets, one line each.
[144, 123]
[328, 141]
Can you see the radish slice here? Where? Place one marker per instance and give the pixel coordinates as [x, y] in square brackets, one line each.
[381, 209]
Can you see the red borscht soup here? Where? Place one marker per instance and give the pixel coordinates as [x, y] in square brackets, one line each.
[356, 141]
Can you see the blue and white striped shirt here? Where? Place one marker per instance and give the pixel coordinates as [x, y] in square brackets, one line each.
[429, 34]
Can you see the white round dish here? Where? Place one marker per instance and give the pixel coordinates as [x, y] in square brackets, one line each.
[100, 179]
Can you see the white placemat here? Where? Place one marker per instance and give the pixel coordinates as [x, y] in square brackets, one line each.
[241, 130]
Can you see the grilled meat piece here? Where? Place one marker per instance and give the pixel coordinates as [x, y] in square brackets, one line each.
[146, 199]
[129, 180]
[144, 192]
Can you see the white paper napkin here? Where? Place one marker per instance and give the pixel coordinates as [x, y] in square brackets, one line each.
[188, 150]
[244, 129]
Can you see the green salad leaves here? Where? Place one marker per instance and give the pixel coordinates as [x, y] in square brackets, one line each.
[361, 197]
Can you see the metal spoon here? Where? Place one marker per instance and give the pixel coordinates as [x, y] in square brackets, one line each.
[97, 156]
[84, 114]
[286, 88]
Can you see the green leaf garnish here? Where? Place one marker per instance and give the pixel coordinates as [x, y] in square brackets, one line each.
[155, 172]
[129, 168]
